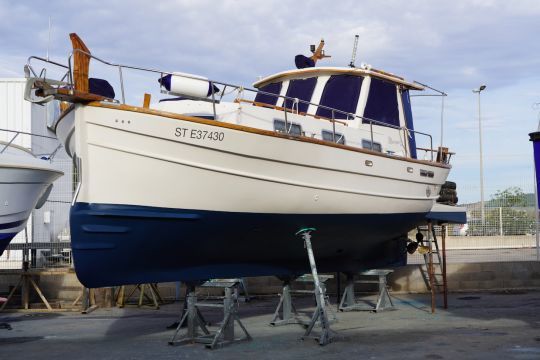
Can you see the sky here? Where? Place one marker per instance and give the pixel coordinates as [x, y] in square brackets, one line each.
[454, 46]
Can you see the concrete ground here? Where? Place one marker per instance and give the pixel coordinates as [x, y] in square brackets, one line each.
[476, 326]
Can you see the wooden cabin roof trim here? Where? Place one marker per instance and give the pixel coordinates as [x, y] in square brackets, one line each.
[300, 73]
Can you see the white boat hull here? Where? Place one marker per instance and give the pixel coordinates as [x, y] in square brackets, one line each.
[141, 161]
[24, 181]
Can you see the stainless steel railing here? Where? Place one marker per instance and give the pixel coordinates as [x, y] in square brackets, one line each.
[48, 156]
[235, 88]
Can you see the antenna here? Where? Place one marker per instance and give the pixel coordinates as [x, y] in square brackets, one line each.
[353, 57]
[49, 41]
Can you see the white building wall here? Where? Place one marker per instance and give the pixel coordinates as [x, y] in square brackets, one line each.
[15, 113]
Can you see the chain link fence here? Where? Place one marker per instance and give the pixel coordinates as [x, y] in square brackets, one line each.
[506, 229]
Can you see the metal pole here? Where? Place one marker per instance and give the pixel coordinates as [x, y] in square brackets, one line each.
[537, 217]
[430, 267]
[442, 120]
[483, 215]
[371, 133]
[122, 85]
[213, 100]
[333, 127]
[500, 222]
[445, 283]
[338, 290]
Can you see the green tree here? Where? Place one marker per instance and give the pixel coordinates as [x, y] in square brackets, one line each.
[510, 206]
[510, 197]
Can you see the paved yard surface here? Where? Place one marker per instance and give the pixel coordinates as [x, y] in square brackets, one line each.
[477, 326]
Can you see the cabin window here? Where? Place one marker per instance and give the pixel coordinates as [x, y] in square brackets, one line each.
[273, 88]
[301, 89]
[366, 144]
[341, 92]
[382, 103]
[290, 128]
[328, 136]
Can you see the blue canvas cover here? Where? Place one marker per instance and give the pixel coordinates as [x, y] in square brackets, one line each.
[382, 104]
[340, 92]
[301, 89]
[273, 88]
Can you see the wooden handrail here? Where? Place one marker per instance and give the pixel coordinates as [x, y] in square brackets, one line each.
[434, 150]
[280, 108]
[81, 63]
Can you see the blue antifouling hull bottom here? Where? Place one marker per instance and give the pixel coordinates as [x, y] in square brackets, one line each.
[4, 241]
[125, 244]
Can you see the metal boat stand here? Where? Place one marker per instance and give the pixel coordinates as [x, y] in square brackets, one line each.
[286, 312]
[384, 301]
[320, 315]
[225, 334]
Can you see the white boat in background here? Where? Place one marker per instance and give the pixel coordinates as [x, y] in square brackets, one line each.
[194, 187]
[25, 183]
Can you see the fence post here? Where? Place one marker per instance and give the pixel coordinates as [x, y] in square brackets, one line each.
[500, 222]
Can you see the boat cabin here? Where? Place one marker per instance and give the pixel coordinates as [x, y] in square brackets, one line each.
[359, 97]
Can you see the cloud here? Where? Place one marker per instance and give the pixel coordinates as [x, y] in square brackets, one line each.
[454, 46]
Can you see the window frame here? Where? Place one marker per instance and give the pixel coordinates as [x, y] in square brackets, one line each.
[366, 144]
[291, 126]
[340, 138]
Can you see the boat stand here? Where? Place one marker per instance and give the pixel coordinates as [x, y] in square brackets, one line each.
[154, 299]
[384, 301]
[4, 325]
[25, 281]
[286, 312]
[225, 334]
[326, 336]
[87, 297]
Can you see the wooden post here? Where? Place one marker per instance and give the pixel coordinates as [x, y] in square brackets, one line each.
[81, 63]
[25, 292]
[445, 284]
[146, 102]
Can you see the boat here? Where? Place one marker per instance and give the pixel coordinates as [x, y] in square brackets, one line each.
[215, 179]
[26, 181]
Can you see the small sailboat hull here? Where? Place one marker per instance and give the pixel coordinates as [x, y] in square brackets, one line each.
[24, 183]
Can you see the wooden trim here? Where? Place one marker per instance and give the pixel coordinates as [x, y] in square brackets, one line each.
[72, 96]
[81, 63]
[353, 71]
[257, 131]
[280, 108]
[146, 101]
